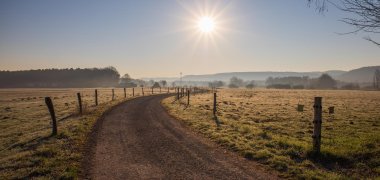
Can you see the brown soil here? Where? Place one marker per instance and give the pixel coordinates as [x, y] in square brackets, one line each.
[139, 140]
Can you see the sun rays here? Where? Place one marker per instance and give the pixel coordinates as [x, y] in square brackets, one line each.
[205, 24]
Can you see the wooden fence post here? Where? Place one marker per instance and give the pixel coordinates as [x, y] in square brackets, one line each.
[214, 109]
[300, 107]
[152, 90]
[168, 89]
[133, 92]
[177, 93]
[188, 97]
[142, 90]
[160, 89]
[113, 94]
[96, 97]
[125, 93]
[50, 106]
[317, 124]
[80, 103]
[331, 110]
[214, 112]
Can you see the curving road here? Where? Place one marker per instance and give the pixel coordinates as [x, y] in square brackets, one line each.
[139, 140]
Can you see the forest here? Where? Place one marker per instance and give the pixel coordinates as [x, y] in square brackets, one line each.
[60, 78]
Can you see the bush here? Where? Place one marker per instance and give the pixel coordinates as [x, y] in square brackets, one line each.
[156, 85]
[250, 86]
[233, 86]
[350, 86]
[279, 86]
[298, 87]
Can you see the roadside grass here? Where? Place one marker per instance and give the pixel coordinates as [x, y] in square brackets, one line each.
[264, 126]
[26, 148]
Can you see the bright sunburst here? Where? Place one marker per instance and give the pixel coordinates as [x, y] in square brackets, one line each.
[206, 24]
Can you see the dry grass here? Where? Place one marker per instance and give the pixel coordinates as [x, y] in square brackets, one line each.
[264, 125]
[26, 148]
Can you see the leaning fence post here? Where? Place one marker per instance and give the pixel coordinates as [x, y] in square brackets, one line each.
[133, 92]
[96, 97]
[317, 124]
[50, 106]
[214, 109]
[125, 93]
[79, 103]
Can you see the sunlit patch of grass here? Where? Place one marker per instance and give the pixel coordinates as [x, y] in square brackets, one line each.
[265, 126]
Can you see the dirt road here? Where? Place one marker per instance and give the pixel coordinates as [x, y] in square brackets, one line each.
[139, 140]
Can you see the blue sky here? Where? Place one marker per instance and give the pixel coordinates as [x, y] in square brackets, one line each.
[150, 38]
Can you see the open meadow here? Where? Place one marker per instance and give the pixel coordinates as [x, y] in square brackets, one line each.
[27, 148]
[264, 125]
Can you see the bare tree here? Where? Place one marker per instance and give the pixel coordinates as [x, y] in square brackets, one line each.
[325, 81]
[216, 84]
[235, 82]
[364, 14]
[321, 5]
[163, 83]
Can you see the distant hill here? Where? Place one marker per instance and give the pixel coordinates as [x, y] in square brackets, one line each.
[258, 76]
[170, 79]
[361, 75]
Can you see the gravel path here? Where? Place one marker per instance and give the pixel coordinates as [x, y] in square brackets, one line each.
[139, 140]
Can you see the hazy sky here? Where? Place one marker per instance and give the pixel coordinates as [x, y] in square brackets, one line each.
[150, 38]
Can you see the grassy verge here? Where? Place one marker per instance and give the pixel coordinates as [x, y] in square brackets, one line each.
[52, 157]
[26, 148]
[264, 126]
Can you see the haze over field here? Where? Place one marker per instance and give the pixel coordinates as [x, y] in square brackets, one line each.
[164, 38]
[190, 89]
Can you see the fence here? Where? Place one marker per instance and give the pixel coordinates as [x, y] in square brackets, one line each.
[28, 115]
[50, 104]
[316, 143]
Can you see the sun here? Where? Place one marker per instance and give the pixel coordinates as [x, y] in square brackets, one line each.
[206, 24]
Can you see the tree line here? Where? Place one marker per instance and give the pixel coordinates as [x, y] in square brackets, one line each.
[127, 81]
[325, 81]
[59, 78]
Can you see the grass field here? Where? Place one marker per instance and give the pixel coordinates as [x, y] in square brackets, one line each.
[26, 148]
[265, 126]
